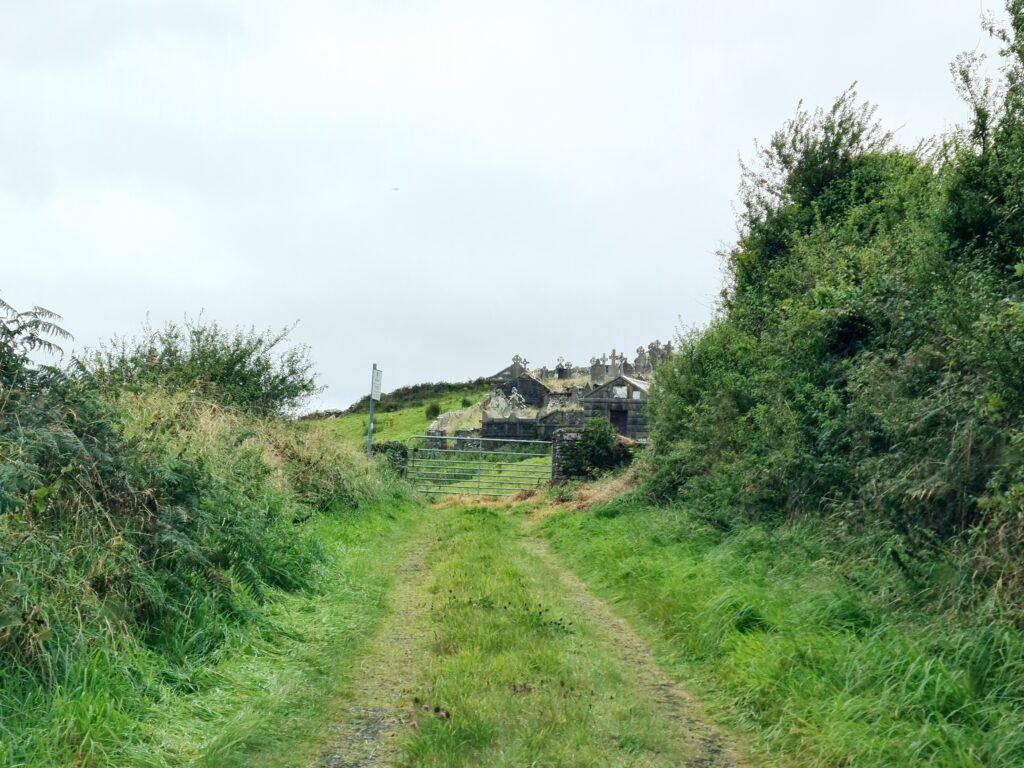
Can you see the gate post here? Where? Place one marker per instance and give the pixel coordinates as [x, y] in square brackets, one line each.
[557, 441]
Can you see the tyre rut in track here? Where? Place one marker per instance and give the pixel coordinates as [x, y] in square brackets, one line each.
[624, 645]
[371, 729]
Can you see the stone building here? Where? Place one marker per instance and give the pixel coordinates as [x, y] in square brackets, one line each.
[529, 404]
[534, 391]
[513, 371]
[623, 401]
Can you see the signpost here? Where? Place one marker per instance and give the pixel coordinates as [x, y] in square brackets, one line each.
[374, 397]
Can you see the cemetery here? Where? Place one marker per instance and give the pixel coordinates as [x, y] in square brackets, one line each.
[532, 404]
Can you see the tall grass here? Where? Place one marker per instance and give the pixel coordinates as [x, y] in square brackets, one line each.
[116, 604]
[826, 654]
[143, 530]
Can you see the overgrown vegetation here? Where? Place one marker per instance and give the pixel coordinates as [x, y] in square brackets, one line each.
[144, 523]
[866, 362]
[830, 534]
[243, 368]
[594, 449]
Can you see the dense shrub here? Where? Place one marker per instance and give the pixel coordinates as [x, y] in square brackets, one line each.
[594, 449]
[866, 362]
[395, 453]
[243, 368]
[433, 410]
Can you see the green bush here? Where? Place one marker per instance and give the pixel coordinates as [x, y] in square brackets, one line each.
[245, 369]
[395, 453]
[594, 449]
[433, 410]
[466, 402]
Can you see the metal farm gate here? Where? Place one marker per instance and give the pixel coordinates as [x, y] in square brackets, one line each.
[477, 466]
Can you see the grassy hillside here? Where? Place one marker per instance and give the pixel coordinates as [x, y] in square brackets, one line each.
[414, 395]
[403, 422]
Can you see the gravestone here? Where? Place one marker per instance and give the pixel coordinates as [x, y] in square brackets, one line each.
[641, 364]
[518, 366]
[654, 353]
[563, 369]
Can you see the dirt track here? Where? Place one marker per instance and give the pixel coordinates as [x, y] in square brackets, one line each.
[380, 719]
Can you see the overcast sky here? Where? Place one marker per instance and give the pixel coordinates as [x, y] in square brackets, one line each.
[432, 186]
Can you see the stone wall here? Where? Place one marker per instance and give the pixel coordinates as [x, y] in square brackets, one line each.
[556, 420]
[558, 453]
[510, 428]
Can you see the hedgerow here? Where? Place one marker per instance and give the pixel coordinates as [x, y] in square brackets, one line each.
[865, 364]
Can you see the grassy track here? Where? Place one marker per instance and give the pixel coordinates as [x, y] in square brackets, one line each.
[529, 673]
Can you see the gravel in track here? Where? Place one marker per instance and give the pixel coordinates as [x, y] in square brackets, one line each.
[369, 733]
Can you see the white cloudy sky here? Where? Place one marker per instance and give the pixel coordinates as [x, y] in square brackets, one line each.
[429, 185]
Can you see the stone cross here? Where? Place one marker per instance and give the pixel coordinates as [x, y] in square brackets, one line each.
[616, 364]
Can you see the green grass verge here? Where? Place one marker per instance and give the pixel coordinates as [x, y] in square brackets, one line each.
[526, 682]
[265, 699]
[812, 650]
[399, 424]
[272, 703]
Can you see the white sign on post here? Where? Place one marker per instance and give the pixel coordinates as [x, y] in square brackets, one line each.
[374, 397]
[375, 384]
